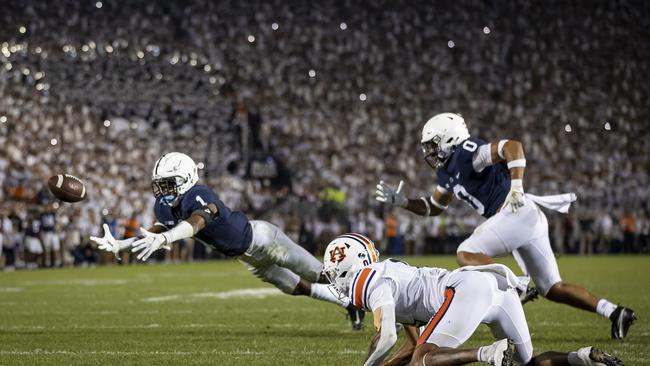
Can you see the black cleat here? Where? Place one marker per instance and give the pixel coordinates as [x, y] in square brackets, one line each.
[603, 358]
[621, 319]
[356, 317]
[530, 295]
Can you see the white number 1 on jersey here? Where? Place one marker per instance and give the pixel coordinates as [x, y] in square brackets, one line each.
[201, 201]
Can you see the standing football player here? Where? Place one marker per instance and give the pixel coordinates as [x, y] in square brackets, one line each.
[451, 304]
[489, 177]
[186, 210]
[50, 237]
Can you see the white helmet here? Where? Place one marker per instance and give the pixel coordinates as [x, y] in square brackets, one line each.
[344, 256]
[440, 136]
[173, 175]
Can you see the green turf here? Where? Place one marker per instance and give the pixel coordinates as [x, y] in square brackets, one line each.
[99, 316]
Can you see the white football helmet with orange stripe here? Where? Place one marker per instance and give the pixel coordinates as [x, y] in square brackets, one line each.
[344, 256]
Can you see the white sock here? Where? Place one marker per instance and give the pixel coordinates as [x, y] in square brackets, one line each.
[479, 356]
[325, 292]
[605, 308]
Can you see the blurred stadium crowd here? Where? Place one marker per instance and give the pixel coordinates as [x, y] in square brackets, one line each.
[295, 110]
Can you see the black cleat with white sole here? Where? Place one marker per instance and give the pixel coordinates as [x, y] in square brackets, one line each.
[606, 359]
[356, 316]
[622, 318]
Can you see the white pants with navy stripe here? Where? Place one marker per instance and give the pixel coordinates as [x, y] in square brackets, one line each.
[276, 259]
[524, 234]
[472, 298]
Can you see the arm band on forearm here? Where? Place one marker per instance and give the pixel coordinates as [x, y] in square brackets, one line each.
[500, 148]
[426, 204]
[205, 213]
[181, 231]
[519, 163]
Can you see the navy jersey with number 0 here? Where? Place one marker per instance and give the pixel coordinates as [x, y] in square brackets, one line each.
[485, 191]
[229, 232]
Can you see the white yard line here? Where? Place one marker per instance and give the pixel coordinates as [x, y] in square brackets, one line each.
[248, 352]
[156, 325]
[77, 282]
[245, 293]
[11, 289]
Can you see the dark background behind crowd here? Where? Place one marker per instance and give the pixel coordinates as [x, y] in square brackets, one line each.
[295, 110]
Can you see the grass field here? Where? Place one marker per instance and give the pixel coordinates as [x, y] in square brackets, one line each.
[217, 314]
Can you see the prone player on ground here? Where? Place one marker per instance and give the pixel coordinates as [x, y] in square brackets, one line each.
[185, 209]
[489, 177]
[451, 304]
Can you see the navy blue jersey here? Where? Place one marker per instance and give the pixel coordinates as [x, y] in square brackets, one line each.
[229, 232]
[485, 191]
[33, 228]
[48, 221]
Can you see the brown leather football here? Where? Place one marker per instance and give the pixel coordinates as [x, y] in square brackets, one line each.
[67, 188]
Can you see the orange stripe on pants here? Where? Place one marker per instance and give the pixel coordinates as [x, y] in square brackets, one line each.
[449, 295]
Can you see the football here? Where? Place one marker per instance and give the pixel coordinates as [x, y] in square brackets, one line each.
[67, 188]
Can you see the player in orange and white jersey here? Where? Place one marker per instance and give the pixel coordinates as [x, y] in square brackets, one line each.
[450, 304]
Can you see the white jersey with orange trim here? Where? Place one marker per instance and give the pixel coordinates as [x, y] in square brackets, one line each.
[451, 304]
[415, 292]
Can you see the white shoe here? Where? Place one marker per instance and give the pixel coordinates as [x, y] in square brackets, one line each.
[499, 353]
[592, 356]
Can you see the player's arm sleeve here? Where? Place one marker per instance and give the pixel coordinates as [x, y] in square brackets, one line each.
[482, 157]
[386, 335]
[382, 304]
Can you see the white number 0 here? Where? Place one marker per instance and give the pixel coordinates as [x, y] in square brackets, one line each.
[462, 193]
[469, 145]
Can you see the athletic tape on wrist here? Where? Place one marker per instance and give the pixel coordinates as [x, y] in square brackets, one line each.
[183, 230]
[519, 163]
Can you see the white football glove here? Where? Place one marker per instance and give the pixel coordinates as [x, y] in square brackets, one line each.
[109, 244]
[516, 198]
[149, 243]
[387, 194]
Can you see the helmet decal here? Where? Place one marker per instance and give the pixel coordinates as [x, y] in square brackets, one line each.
[345, 256]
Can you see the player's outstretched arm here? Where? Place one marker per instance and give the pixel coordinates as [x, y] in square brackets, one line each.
[386, 336]
[152, 241]
[424, 206]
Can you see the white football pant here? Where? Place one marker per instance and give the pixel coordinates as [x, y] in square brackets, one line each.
[276, 259]
[524, 234]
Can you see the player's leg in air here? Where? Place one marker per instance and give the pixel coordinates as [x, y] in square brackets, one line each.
[275, 258]
[525, 235]
[479, 298]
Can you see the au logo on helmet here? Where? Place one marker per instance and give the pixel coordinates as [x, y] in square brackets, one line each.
[337, 254]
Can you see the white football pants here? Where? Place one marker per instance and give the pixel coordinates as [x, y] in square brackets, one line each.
[276, 259]
[524, 234]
